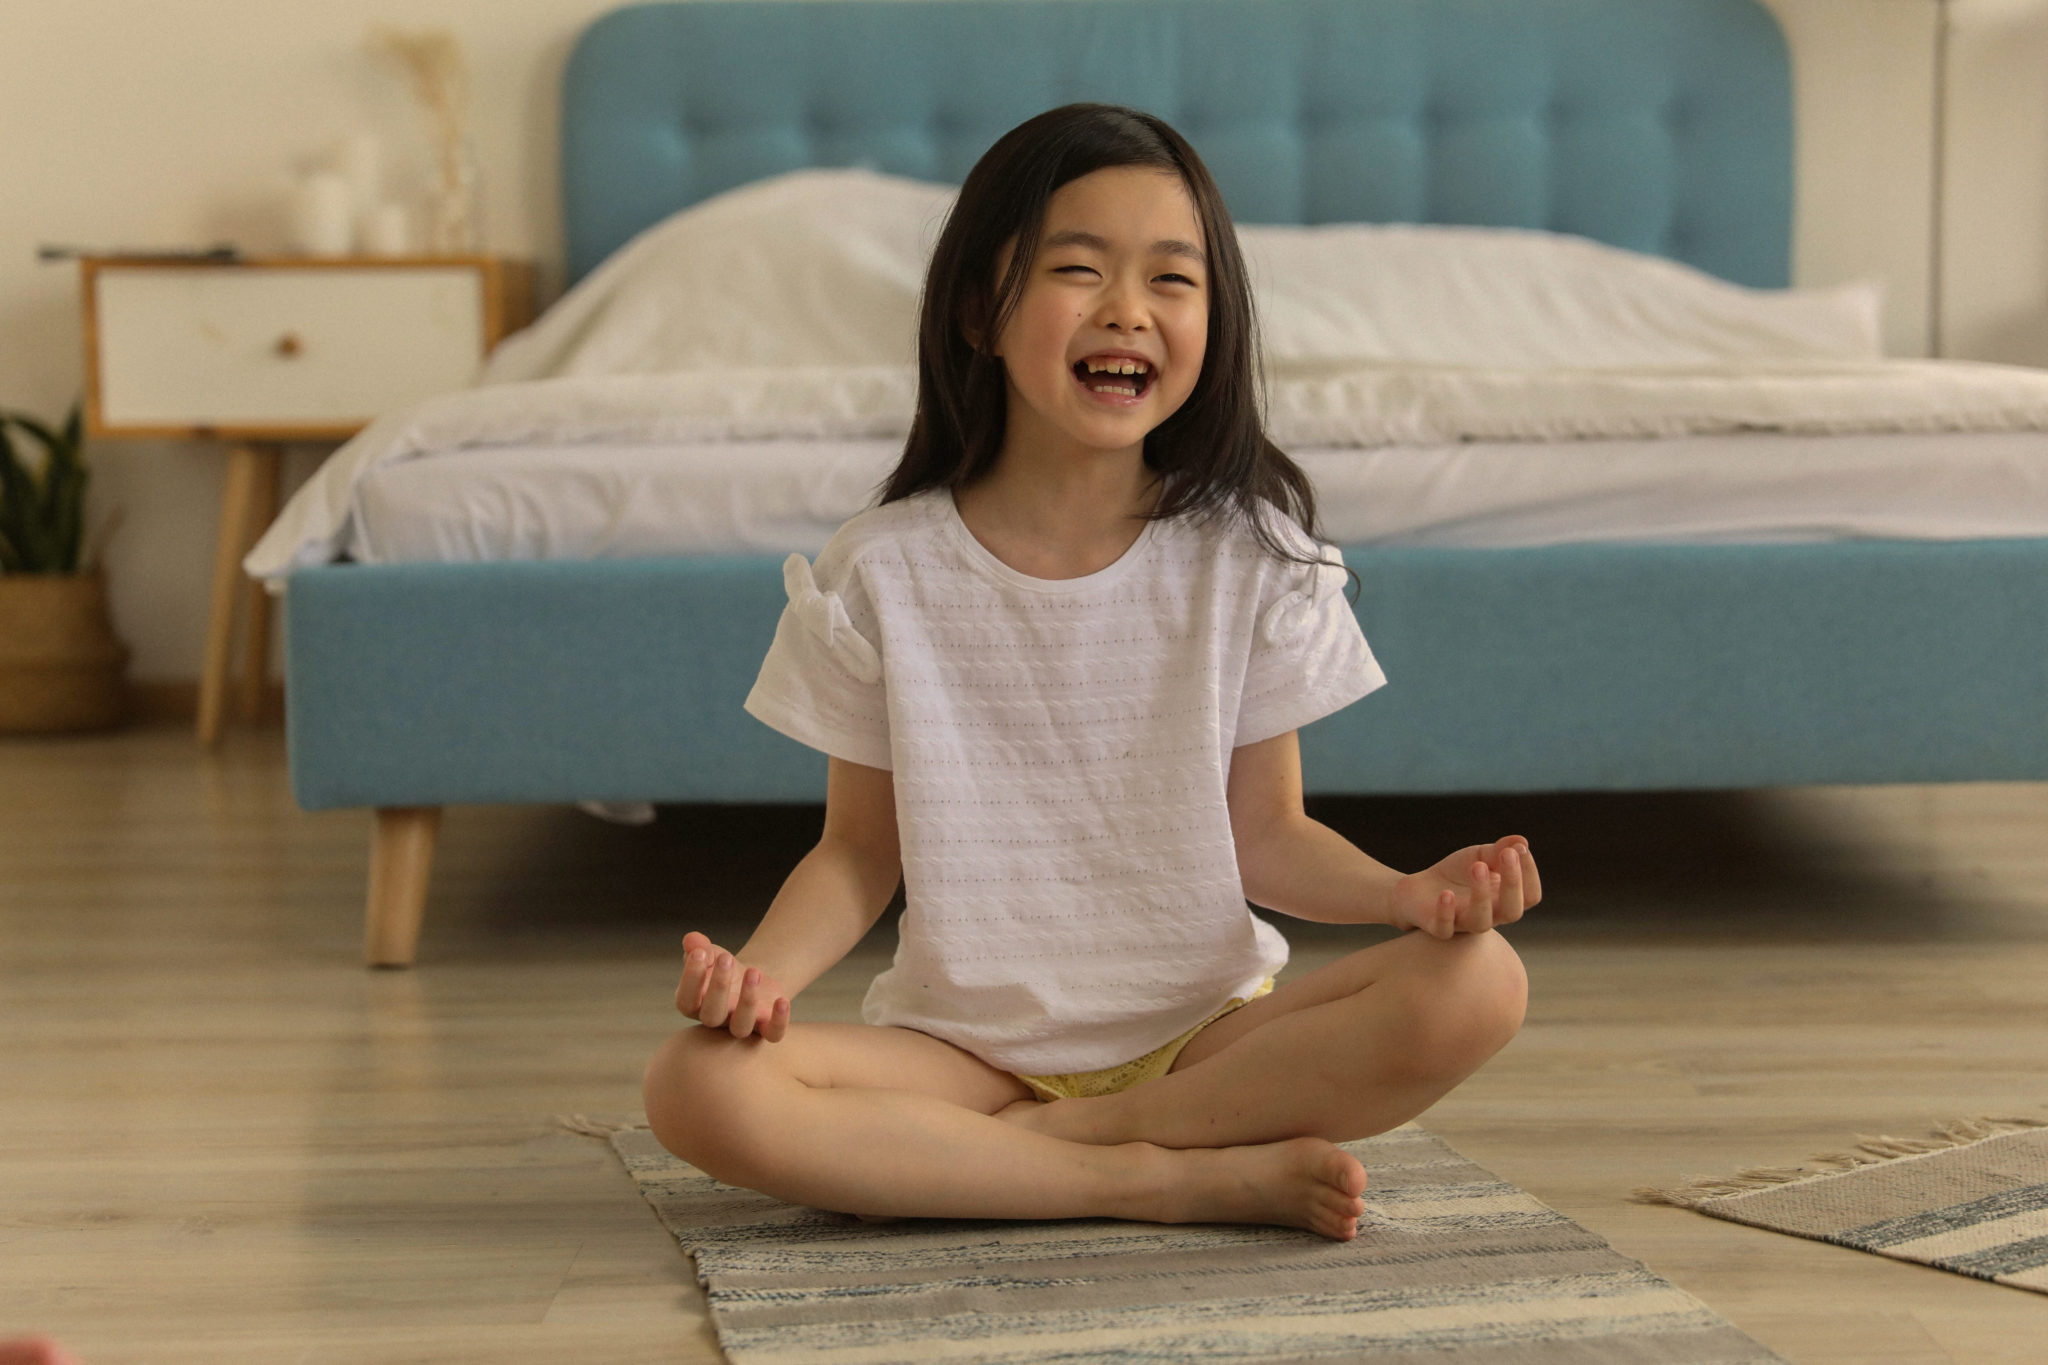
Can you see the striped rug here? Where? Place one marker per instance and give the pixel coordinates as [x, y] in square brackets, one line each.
[1451, 1263]
[1972, 1199]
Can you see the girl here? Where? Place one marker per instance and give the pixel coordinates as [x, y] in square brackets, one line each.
[1058, 671]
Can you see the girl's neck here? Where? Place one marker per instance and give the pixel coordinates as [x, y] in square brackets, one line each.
[1057, 518]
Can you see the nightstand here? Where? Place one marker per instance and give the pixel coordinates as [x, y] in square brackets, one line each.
[261, 351]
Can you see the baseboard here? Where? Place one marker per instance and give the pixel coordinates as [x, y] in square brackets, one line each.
[166, 700]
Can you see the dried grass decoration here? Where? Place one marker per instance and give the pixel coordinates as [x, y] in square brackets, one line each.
[440, 78]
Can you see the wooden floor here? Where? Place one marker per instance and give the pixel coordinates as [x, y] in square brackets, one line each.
[223, 1140]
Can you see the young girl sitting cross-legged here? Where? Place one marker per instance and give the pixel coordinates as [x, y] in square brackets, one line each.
[1058, 671]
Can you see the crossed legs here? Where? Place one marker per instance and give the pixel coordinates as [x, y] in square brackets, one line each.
[892, 1122]
[1352, 1049]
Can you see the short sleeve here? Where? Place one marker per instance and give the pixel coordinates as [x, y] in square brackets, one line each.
[821, 683]
[1308, 656]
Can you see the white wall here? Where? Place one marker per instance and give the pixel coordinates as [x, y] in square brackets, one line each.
[1863, 102]
[1994, 278]
[138, 123]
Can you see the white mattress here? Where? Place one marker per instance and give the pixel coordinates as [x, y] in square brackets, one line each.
[622, 501]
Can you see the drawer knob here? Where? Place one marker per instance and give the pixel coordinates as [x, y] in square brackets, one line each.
[289, 345]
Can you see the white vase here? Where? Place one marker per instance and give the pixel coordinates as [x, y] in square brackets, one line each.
[453, 217]
[323, 215]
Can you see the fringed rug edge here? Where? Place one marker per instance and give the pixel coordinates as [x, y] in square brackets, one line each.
[1698, 1191]
[592, 1126]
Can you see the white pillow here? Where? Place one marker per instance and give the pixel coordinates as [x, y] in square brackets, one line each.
[817, 267]
[825, 267]
[1519, 298]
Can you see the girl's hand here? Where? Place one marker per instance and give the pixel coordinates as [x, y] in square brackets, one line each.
[1469, 892]
[718, 991]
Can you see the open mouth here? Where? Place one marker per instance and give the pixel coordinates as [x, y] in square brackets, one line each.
[1108, 380]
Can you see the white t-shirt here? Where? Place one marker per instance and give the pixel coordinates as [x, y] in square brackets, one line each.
[1060, 749]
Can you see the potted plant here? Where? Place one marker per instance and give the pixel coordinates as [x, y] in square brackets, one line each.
[61, 668]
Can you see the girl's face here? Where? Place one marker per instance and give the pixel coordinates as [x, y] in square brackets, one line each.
[1121, 282]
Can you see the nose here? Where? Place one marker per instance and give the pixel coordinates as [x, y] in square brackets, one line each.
[1123, 306]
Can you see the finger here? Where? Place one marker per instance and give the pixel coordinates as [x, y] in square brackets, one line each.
[1479, 911]
[778, 1021]
[704, 980]
[1510, 908]
[690, 990]
[709, 966]
[1444, 924]
[1532, 884]
[702, 946]
[718, 998]
[748, 1010]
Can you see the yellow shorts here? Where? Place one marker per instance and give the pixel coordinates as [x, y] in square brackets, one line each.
[1075, 1085]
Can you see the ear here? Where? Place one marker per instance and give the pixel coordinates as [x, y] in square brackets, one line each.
[971, 322]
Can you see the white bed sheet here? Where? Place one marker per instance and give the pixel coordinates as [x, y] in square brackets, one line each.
[776, 496]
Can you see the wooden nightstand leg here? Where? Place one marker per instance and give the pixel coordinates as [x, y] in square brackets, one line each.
[256, 638]
[401, 860]
[236, 492]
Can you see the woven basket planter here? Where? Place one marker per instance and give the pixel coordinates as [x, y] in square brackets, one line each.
[61, 668]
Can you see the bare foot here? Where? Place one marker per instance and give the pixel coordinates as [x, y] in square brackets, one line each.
[1300, 1183]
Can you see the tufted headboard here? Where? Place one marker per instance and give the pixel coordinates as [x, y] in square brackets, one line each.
[1664, 126]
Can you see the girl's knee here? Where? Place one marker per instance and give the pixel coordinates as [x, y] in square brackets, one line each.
[710, 1098]
[1471, 993]
[678, 1088]
[1501, 979]
[662, 1088]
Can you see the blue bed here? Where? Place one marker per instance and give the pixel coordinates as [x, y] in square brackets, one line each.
[1659, 125]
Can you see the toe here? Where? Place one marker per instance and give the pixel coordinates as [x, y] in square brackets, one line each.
[1345, 1172]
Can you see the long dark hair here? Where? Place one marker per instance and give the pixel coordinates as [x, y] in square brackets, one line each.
[1213, 451]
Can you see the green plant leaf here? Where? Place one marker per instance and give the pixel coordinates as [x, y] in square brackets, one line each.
[17, 501]
[49, 439]
[42, 516]
[64, 495]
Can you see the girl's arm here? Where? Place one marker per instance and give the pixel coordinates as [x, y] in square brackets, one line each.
[1290, 863]
[1302, 867]
[835, 895]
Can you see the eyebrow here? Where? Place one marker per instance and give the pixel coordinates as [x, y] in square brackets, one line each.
[1170, 246]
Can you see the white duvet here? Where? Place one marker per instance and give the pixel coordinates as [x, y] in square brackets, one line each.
[1357, 406]
[763, 314]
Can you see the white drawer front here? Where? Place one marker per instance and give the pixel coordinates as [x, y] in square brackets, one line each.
[253, 346]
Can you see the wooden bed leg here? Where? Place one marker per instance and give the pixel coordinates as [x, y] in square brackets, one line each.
[401, 858]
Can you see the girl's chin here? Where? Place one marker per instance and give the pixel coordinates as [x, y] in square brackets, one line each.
[1098, 439]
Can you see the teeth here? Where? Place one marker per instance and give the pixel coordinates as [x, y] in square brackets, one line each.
[1115, 366]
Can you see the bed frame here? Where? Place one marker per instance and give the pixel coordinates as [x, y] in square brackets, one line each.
[1659, 125]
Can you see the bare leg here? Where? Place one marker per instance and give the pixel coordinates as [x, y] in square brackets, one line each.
[1398, 1026]
[732, 1108]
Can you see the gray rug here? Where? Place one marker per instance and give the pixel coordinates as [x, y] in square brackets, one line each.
[1450, 1263]
[1972, 1199]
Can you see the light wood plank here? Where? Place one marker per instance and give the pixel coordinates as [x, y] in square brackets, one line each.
[401, 870]
[224, 1141]
[237, 499]
[256, 638]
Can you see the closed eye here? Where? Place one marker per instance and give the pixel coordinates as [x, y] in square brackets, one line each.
[1057, 270]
